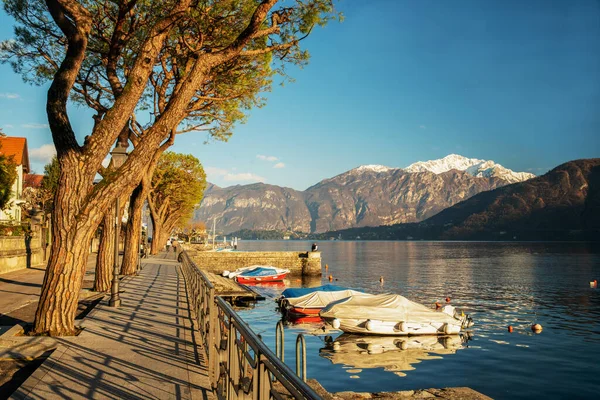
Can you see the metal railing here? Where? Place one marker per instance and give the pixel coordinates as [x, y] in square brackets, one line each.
[240, 365]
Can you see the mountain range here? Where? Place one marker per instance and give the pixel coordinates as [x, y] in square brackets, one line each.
[369, 195]
[563, 204]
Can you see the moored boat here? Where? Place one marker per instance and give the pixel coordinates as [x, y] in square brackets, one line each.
[391, 314]
[261, 275]
[314, 299]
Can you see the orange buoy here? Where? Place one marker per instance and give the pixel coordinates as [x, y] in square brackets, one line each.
[330, 278]
[447, 299]
[381, 279]
[537, 328]
[438, 305]
[510, 329]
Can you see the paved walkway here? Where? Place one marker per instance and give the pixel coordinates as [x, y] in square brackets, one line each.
[20, 293]
[143, 350]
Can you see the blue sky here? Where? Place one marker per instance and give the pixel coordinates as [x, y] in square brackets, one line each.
[399, 81]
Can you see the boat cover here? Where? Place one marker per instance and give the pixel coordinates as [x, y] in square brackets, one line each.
[297, 292]
[262, 271]
[384, 307]
[321, 299]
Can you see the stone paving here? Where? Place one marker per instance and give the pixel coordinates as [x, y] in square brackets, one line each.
[145, 349]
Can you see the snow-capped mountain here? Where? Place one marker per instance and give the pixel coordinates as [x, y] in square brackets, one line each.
[472, 166]
[373, 168]
[369, 195]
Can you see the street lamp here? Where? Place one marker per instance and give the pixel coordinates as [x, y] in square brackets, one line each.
[119, 156]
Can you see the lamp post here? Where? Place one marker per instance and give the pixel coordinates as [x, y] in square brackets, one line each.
[119, 156]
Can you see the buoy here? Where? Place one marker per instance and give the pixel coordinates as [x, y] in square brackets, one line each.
[326, 267]
[335, 323]
[537, 328]
[370, 325]
[330, 278]
[447, 299]
[381, 279]
[447, 329]
[510, 329]
[438, 305]
[402, 326]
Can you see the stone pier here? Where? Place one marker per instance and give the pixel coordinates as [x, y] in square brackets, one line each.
[299, 263]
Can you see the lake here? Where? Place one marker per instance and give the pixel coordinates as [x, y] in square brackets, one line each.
[497, 283]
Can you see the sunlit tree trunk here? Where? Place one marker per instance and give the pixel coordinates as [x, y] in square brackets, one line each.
[157, 240]
[106, 253]
[133, 230]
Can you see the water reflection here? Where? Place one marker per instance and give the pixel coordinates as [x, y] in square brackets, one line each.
[392, 353]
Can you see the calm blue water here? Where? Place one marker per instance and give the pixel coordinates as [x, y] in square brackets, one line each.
[499, 284]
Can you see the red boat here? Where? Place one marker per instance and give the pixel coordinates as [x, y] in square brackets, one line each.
[301, 311]
[262, 274]
[312, 303]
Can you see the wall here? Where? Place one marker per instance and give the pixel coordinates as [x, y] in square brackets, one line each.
[18, 253]
[299, 263]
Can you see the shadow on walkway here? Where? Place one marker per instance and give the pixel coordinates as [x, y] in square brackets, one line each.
[143, 350]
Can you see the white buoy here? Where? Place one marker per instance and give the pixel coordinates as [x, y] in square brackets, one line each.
[447, 329]
[370, 325]
[335, 323]
[402, 327]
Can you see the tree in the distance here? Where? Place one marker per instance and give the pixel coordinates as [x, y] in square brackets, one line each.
[177, 188]
[178, 58]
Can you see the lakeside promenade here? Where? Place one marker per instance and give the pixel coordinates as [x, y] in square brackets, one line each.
[144, 349]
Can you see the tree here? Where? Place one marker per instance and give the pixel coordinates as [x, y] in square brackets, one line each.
[177, 188]
[195, 64]
[8, 174]
[50, 184]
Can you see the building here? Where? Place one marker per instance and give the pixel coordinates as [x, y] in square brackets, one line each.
[16, 147]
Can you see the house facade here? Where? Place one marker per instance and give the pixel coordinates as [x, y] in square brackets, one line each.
[17, 148]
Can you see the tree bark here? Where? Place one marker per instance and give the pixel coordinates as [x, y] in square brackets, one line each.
[106, 253]
[72, 235]
[157, 239]
[133, 230]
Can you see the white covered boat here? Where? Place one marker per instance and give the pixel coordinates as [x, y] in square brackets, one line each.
[312, 303]
[392, 314]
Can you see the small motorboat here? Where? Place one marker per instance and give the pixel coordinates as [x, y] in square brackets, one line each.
[392, 314]
[300, 302]
[261, 275]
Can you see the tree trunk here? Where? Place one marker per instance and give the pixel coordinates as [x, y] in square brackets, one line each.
[106, 253]
[59, 296]
[157, 240]
[133, 230]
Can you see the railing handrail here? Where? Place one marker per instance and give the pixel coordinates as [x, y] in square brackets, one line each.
[263, 354]
[259, 347]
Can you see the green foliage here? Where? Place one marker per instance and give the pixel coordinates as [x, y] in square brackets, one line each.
[229, 89]
[178, 185]
[8, 174]
[50, 183]
[15, 230]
